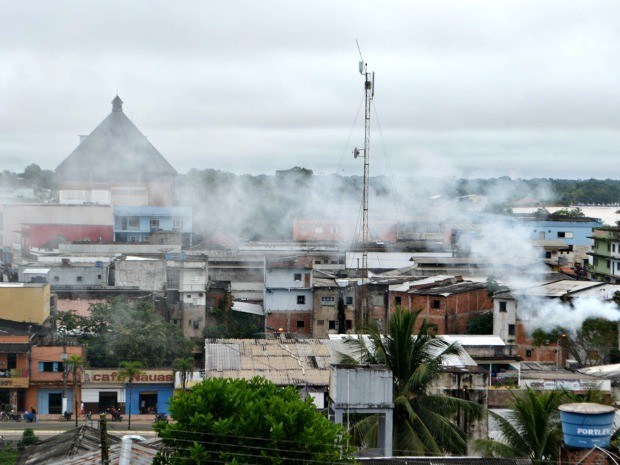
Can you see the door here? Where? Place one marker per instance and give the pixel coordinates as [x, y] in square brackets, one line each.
[55, 402]
[107, 399]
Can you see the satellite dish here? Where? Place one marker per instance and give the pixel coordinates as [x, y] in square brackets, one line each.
[356, 152]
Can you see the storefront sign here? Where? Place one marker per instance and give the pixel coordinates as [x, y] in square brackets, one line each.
[10, 383]
[112, 376]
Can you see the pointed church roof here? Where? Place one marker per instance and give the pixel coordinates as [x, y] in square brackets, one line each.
[115, 149]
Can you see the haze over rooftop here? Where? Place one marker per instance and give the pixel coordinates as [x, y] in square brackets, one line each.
[476, 88]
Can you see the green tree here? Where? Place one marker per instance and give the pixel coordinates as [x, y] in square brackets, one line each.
[185, 367]
[127, 373]
[531, 429]
[424, 423]
[75, 363]
[570, 212]
[121, 330]
[239, 421]
[481, 324]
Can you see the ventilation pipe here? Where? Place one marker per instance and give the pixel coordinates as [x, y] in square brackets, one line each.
[126, 442]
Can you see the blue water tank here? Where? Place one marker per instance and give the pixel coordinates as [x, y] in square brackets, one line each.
[586, 425]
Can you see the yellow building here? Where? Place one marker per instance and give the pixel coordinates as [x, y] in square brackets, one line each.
[25, 302]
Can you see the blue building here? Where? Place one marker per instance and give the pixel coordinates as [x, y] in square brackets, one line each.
[151, 392]
[153, 224]
[575, 232]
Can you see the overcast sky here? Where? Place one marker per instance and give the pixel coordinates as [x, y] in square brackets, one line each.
[464, 88]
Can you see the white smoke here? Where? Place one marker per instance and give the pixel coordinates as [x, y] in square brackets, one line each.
[549, 314]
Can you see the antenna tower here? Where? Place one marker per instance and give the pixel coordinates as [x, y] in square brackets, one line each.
[369, 92]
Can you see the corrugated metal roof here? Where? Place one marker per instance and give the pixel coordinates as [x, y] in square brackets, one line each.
[297, 362]
[141, 454]
[474, 340]
[70, 443]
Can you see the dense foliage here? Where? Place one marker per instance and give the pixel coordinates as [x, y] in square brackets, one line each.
[241, 422]
[481, 324]
[531, 428]
[595, 343]
[121, 330]
[424, 422]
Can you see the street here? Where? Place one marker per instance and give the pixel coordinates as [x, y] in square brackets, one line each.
[12, 430]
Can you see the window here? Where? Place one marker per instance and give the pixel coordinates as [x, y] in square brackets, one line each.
[398, 300]
[595, 261]
[196, 324]
[348, 324]
[301, 323]
[320, 322]
[502, 306]
[79, 278]
[566, 234]
[547, 254]
[332, 324]
[178, 223]
[51, 367]
[11, 361]
[318, 230]
[608, 263]
[329, 301]
[301, 299]
[511, 330]
[297, 277]
[98, 276]
[349, 300]
[528, 353]
[154, 222]
[436, 304]
[133, 222]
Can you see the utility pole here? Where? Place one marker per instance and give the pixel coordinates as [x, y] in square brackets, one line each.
[369, 92]
[105, 447]
[65, 373]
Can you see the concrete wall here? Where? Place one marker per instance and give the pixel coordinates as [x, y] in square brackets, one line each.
[147, 275]
[71, 275]
[25, 302]
[285, 278]
[326, 312]
[279, 300]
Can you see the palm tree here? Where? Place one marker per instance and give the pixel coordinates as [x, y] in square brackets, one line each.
[184, 366]
[531, 429]
[423, 422]
[128, 371]
[76, 363]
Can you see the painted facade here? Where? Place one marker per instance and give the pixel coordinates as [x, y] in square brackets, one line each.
[138, 223]
[606, 254]
[288, 295]
[29, 303]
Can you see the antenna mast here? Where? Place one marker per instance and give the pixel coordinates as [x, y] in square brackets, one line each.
[369, 92]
